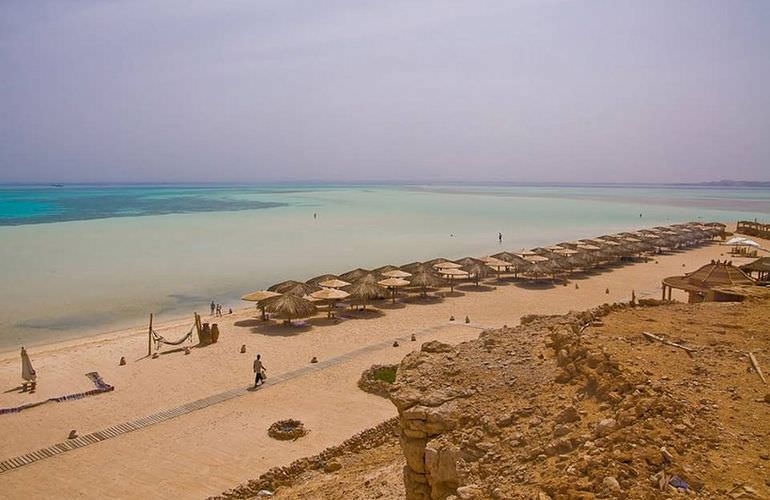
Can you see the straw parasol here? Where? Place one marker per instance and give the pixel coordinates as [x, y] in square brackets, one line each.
[393, 283]
[290, 307]
[536, 258]
[259, 297]
[477, 270]
[498, 264]
[425, 280]
[354, 275]
[284, 285]
[468, 261]
[537, 270]
[384, 269]
[27, 372]
[432, 262]
[318, 279]
[333, 283]
[331, 295]
[451, 274]
[442, 266]
[413, 267]
[301, 289]
[507, 256]
[364, 290]
[396, 273]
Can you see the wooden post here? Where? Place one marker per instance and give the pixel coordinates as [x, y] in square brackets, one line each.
[149, 338]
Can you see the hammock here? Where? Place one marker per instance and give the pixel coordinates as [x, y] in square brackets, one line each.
[159, 339]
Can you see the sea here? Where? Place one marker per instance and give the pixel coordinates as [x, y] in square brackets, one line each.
[78, 260]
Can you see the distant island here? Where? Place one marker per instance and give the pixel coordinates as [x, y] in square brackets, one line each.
[730, 183]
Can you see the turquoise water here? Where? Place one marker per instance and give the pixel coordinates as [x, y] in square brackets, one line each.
[77, 260]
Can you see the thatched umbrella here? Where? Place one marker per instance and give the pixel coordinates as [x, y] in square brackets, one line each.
[537, 270]
[354, 275]
[384, 269]
[301, 289]
[393, 283]
[413, 267]
[284, 285]
[331, 295]
[469, 261]
[396, 273]
[506, 256]
[290, 307]
[425, 280]
[477, 270]
[333, 283]
[433, 262]
[318, 279]
[443, 266]
[364, 290]
[451, 274]
[536, 258]
[498, 264]
[259, 297]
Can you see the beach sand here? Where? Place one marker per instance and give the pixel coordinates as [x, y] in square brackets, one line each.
[212, 449]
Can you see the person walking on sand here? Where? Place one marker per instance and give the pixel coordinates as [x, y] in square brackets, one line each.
[259, 372]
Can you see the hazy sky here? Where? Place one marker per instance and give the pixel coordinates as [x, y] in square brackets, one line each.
[263, 90]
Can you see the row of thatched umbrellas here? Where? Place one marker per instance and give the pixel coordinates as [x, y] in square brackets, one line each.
[294, 299]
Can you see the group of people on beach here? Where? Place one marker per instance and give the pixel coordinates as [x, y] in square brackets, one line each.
[216, 309]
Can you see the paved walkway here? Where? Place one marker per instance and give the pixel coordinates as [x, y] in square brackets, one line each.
[162, 416]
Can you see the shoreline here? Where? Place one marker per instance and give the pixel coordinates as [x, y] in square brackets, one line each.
[229, 439]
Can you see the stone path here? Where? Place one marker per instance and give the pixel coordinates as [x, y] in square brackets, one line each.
[156, 418]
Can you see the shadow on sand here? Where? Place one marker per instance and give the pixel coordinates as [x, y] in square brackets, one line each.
[535, 285]
[423, 301]
[474, 288]
[279, 329]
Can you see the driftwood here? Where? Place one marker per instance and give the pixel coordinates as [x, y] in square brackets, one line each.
[656, 338]
[756, 366]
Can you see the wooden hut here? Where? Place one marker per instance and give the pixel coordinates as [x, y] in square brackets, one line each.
[714, 282]
[761, 267]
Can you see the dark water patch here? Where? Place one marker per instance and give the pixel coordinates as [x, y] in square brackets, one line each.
[104, 206]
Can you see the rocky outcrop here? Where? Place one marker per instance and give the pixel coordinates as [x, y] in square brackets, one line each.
[371, 383]
[505, 415]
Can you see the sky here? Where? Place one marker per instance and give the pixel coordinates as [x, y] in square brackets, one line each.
[428, 91]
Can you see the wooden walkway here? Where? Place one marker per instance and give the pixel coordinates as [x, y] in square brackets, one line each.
[162, 416]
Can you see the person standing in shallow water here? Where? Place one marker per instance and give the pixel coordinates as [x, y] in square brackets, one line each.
[500, 237]
[259, 369]
[212, 307]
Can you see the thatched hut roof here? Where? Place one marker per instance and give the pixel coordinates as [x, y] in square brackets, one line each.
[712, 275]
[290, 307]
[354, 275]
[761, 265]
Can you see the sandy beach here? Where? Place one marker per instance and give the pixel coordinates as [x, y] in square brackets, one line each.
[209, 450]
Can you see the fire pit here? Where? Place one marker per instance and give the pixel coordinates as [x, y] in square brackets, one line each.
[285, 430]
